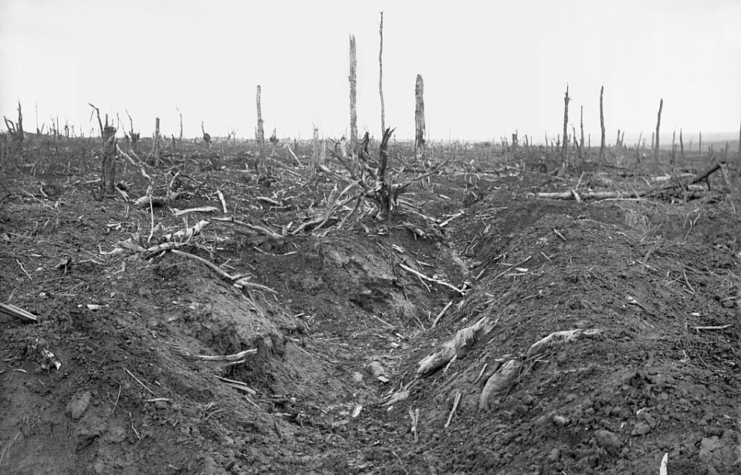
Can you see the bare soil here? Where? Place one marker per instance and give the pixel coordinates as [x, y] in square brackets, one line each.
[342, 327]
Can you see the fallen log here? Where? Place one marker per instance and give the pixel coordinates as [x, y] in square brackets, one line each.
[669, 189]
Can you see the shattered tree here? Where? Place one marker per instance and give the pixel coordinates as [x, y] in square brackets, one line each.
[108, 155]
[419, 119]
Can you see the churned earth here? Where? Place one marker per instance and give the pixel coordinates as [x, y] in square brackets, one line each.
[405, 345]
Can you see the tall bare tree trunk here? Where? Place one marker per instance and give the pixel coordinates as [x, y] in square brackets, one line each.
[315, 153]
[156, 140]
[260, 130]
[699, 149]
[739, 143]
[681, 145]
[353, 98]
[419, 119]
[380, 78]
[581, 126]
[180, 139]
[565, 144]
[602, 125]
[658, 125]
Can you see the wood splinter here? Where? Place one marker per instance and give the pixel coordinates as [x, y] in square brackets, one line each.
[721, 327]
[414, 415]
[440, 315]
[461, 291]
[13, 311]
[234, 357]
[452, 411]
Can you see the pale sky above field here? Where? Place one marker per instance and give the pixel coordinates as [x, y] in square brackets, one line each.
[489, 67]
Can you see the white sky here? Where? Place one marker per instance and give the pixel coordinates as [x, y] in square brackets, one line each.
[489, 67]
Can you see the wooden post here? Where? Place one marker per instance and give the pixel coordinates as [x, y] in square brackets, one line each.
[156, 139]
[565, 144]
[353, 98]
[380, 77]
[602, 125]
[658, 125]
[260, 130]
[419, 119]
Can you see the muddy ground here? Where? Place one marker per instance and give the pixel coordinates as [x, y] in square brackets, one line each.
[339, 322]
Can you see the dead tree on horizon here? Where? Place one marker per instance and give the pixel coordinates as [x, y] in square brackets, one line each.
[180, 139]
[134, 136]
[260, 135]
[206, 137]
[419, 118]
[565, 144]
[15, 130]
[699, 148]
[581, 126]
[156, 144]
[658, 125]
[602, 125]
[108, 157]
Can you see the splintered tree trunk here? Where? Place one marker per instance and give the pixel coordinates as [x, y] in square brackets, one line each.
[156, 144]
[739, 143]
[581, 126]
[674, 148]
[658, 125]
[602, 125]
[699, 150]
[565, 144]
[419, 118]
[260, 129]
[681, 145]
[380, 77]
[180, 139]
[315, 153]
[15, 130]
[19, 127]
[353, 97]
[108, 179]
[387, 197]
